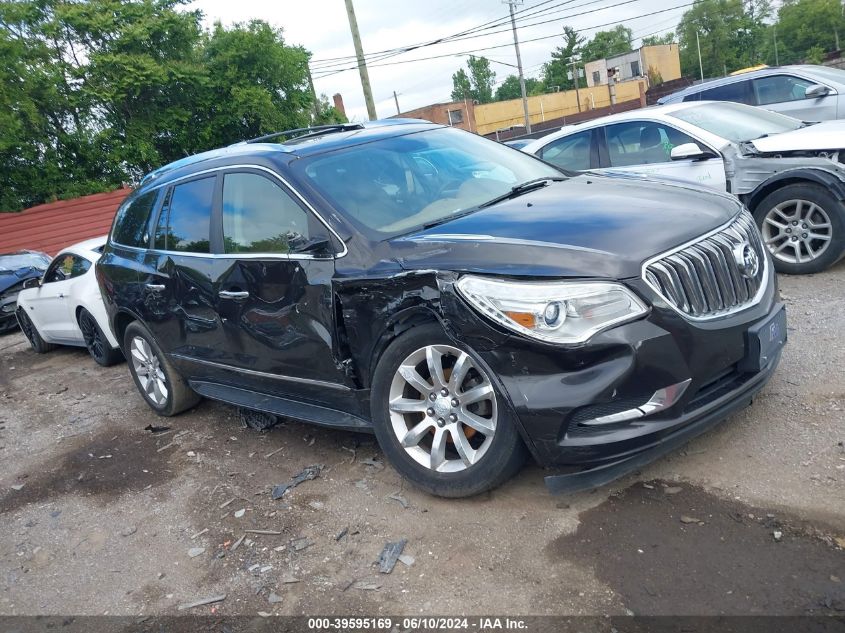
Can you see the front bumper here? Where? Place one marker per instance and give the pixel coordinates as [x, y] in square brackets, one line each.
[556, 394]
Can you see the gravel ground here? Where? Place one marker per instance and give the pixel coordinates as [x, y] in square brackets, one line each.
[101, 516]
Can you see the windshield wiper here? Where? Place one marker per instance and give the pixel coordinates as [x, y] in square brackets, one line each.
[518, 190]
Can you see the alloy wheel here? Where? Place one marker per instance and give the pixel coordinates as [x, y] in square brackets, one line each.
[797, 231]
[26, 326]
[442, 408]
[148, 369]
[91, 335]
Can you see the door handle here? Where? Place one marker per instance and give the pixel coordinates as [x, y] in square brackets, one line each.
[233, 294]
[61, 295]
[155, 287]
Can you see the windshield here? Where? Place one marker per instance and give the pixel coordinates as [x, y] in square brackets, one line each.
[737, 122]
[394, 185]
[11, 263]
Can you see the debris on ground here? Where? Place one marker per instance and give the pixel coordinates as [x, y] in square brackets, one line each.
[389, 555]
[672, 490]
[17, 487]
[198, 534]
[240, 513]
[407, 560]
[366, 586]
[274, 598]
[307, 474]
[156, 429]
[288, 579]
[264, 532]
[689, 519]
[198, 603]
[316, 505]
[271, 453]
[128, 531]
[341, 534]
[399, 498]
[372, 462]
[256, 420]
[195, 551]
[237, 543]
[777, 535]
[226, 503]
[300, 544]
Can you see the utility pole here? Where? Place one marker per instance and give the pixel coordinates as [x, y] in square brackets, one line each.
[315, 105]
[700, 65]
[362, 65]
[511, 4]
[396, 99]
[775, 36]
[575, 79]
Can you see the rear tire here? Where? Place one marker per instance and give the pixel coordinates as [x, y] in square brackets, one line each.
[161, 386]
[448, 448]
[96, 342]
[31, 332]
[803, 228]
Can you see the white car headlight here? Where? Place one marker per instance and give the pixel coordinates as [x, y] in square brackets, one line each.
[558, 312]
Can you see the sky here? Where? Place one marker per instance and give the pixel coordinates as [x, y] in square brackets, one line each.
[322, 27]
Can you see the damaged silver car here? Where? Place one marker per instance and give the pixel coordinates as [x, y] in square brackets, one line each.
[789, 173]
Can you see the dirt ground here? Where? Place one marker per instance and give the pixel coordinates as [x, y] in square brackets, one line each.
[100, 516]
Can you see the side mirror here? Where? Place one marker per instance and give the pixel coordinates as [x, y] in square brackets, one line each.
[815, 91]
[691, 151]
[32, 282]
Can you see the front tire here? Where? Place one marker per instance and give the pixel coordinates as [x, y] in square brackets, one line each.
[440, 419]
[96, 342]
[161, 386]
[31, 332]
[803, 227]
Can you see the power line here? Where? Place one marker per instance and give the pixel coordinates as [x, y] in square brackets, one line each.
[536, 39]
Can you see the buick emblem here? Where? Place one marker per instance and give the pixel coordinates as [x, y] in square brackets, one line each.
[746, 260]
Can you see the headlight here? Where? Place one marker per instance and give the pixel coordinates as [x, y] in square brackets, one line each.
[559, 312]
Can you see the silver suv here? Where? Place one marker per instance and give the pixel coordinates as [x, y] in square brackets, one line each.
[809, 93]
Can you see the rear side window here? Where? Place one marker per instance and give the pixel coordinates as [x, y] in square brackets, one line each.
[261, 217]
[185, 218]
[780, 88]
[130, 228]
[738, 92]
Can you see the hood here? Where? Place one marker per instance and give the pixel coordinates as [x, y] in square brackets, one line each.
[824, 135]
[10, 278]
[587, 226]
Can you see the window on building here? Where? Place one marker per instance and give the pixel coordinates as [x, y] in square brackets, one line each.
[596, 77]
[635, 68]
[456, 116]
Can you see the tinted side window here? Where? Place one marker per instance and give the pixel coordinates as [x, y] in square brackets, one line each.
[261, 217]
[185, 217]
[642, 142]
[67, 266]
[738, 91]
[570, 152]
[780, 88]
[130, 228]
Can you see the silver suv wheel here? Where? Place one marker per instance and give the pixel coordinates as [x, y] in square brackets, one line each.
[442, 408]
[797, 231]
[148, 369]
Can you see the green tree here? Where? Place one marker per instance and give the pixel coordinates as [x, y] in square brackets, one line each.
[97, 93]
[658, 40]
[806, 29]
[477, 84]
[510, 89]
[327, 113]
[557, 71]
[606, 44]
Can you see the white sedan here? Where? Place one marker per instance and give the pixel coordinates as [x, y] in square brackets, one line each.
[787, 172]
[65, 307]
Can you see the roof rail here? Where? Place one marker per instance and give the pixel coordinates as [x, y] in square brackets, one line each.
[309, 131]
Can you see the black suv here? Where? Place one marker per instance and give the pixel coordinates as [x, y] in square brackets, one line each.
[465, 301]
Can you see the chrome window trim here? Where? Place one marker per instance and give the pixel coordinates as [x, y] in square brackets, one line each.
[262, 374]
[764, 284]
[278, 177]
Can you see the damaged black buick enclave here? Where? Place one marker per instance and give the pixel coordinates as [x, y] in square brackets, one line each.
[468, 303]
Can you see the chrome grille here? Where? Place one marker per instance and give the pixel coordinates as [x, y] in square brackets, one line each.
[712, 276]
